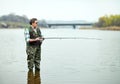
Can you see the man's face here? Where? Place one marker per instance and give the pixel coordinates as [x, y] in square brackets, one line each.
[35, 24]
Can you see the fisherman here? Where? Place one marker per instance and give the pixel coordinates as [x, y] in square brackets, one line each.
[34, 40]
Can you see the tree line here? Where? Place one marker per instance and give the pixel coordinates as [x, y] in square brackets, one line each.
[16, 21]
[108, 21]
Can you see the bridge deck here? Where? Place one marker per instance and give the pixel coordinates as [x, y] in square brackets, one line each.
[69, 24]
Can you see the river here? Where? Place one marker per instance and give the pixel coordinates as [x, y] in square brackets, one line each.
[68, 61]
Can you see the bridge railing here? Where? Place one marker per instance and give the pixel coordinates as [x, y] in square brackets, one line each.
[69, 24]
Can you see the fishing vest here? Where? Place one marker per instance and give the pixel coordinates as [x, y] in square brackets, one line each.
[34, 35]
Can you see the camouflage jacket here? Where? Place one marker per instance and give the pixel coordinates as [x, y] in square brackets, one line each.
[31, 34]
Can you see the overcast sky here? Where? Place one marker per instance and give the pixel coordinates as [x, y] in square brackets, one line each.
[89, 10]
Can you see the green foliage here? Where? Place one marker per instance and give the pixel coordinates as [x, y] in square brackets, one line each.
[106, 21]
[16, 21]
[14, 18]
[13, 21]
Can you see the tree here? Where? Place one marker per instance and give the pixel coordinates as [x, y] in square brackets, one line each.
[106, 21]
[13, 20]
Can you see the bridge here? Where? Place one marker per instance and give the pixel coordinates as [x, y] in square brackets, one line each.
[69, 24]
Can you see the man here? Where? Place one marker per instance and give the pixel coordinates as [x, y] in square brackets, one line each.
[34, 40]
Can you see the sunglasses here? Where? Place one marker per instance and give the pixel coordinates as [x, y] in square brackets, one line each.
[36, 22]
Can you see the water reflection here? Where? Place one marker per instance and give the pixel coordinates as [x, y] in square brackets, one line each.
[33, 78]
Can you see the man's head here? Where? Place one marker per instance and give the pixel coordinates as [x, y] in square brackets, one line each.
[34, 22]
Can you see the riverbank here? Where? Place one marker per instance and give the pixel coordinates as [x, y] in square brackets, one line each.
[114, 28]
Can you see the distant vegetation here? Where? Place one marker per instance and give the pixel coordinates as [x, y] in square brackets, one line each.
[111, 22]
[108, 21]
[16, 21]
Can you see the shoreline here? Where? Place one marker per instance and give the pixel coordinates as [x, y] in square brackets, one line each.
[101, 28]
[83, 28]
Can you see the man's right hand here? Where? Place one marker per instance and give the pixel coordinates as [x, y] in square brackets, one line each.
[37, 39]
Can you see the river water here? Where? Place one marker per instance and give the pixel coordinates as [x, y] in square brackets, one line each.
[68, 61]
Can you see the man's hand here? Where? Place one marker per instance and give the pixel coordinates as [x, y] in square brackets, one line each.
[39, 39]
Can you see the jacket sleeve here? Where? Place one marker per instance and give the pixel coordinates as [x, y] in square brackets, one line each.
[27, 35]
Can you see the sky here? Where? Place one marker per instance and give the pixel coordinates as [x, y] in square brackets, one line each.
[88, 10]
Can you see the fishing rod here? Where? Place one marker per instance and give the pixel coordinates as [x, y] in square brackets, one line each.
[70, 38]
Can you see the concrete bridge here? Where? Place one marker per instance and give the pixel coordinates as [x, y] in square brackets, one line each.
[69, 24]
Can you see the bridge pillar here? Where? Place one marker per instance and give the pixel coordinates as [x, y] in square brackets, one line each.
[49, 26]
[74, 26]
